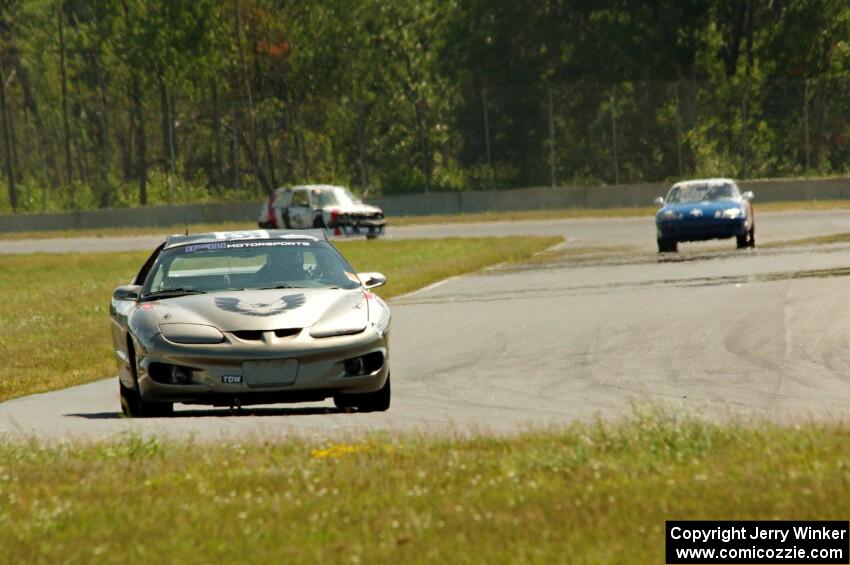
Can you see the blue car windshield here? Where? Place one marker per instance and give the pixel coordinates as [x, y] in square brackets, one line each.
[702, 193]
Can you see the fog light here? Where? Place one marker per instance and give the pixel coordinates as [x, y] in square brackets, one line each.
[170, 374]
[364, 365]
[354, 366]
[181, 375]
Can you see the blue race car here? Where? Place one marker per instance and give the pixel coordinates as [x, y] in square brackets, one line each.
[697, 210]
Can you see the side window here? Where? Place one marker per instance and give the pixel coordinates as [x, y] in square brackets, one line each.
[280, 197]
[300, 198]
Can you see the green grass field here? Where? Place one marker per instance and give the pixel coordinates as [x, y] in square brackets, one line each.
[816, 240]
[596, 493]
[54, 325]
[398, 221]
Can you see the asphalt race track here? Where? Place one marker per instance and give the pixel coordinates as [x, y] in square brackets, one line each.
[712, 331]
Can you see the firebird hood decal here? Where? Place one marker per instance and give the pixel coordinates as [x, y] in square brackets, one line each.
[260, 309]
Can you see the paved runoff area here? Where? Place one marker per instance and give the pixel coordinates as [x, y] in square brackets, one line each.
[711, 331]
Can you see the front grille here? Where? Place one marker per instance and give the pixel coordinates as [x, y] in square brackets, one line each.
[287, 332]
[257, 335]
[249, 335]
[704, 229]
[365, 217]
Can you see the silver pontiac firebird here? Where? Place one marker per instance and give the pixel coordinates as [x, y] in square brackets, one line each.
[257, 317]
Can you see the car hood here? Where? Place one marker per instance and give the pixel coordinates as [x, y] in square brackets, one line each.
[264, 310]
[706, 209]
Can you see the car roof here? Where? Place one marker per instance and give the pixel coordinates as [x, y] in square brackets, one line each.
[704, 182]
[212, 237]
[312, 187]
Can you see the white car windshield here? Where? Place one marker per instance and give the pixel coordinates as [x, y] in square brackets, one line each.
[250, 264]
[337, 197]
[702, 192]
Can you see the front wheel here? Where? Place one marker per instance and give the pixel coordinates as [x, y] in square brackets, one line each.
[132, 405]
[370, 402]
[667, 245]
[748, 239]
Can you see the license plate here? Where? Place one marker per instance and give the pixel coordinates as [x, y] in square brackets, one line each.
[231, 379]
[269, 373]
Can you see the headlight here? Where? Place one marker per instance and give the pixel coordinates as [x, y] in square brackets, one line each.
[191, 333]
[669, 215]
[732, 213]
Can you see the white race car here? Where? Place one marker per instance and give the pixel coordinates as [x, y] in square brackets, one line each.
[333, 208]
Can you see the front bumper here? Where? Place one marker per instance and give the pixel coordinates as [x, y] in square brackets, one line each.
[701, 230]
[354, 227]
[320, 372]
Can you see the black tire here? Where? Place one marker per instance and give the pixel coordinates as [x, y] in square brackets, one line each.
[378, 401]
[667, 245]
[132, 404]
[319, 223]
[371, 236]
[746, 240]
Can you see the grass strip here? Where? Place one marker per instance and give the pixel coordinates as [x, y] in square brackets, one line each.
[54, 308]
[816, 240]
[590, 493]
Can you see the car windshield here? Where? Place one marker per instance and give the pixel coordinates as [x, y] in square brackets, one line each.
[327, 198]
[336, 197]
[702, 193]
[249, 264]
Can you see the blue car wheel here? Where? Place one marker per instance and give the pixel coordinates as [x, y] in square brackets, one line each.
[748, 239]
[667, 245]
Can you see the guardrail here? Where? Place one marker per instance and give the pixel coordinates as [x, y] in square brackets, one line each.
[623, 196]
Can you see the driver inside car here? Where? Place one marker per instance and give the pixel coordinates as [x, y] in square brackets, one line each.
[281, 268]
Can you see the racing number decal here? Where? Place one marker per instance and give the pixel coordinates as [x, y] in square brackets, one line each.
[252, 234]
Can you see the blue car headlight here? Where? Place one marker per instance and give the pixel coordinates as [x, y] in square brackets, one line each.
[668, 215]
[729, 213]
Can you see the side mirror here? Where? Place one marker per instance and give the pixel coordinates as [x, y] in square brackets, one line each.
[372, 280]
[127, 292]
[659, 201]
[748, 195]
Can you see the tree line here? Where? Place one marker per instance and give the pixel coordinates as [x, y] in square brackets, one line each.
[132, 102]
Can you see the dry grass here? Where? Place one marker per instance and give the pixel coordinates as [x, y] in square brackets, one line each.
[128, 231]
[817, 240]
